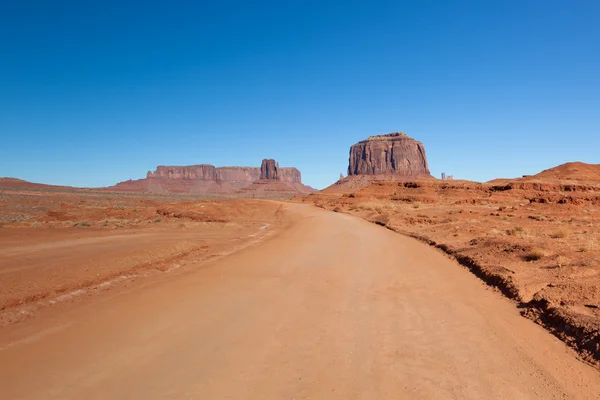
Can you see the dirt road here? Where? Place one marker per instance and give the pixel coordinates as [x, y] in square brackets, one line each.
[333, 307]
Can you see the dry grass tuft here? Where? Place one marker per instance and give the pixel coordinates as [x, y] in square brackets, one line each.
[562, 261]
[559, 234]
[382, 220]
[517, 230]
[536, 253]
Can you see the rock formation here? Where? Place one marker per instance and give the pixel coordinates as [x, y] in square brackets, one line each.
[210, 180]
[206, 172]
[392, 154]
[237, 174]
[269, 169]
[202, 172]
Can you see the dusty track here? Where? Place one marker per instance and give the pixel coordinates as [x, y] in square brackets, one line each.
[332, 308]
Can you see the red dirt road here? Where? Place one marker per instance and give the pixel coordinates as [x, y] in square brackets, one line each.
[333, 307]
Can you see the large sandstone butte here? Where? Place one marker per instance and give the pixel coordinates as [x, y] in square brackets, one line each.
[394, 154]
[210, 180]
[269, 169]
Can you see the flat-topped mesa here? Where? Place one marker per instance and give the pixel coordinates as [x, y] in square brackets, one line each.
[204, 172]
[268, 180]
[391, 154]
[387, 136]
[207, 172]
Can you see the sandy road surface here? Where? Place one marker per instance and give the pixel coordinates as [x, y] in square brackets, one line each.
[332, 308]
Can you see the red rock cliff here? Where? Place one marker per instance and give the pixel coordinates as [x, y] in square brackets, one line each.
[291, 175]
[203, 172]
[269, 169]
[206, 172]
[237, 174]
[392, 154]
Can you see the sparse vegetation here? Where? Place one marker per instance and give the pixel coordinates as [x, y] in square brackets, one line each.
[537, 217]
[536, 253]
[82, 223]
[517, 230]
[559, 234]
[562, 261]
[382, 220]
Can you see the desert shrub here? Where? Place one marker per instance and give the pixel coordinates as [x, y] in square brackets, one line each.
[562, 261]
[537, 217]
[536, 253]
[381, 220]
[517, 230]
[559, 234]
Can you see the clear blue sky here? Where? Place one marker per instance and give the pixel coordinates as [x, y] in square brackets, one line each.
[95, 92]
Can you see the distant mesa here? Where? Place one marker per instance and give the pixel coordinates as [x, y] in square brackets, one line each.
[394, 155]
[207, 179]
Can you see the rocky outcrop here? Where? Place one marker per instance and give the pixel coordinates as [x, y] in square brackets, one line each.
[203, 172]
[210, 180]
[237, 174]
[290, 175]
[393, 154]
[207, 172]
[269, 169]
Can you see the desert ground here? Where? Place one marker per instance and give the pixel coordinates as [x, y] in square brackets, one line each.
[331, 306]
[56, 246]
[536, 239]
[108, 295]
